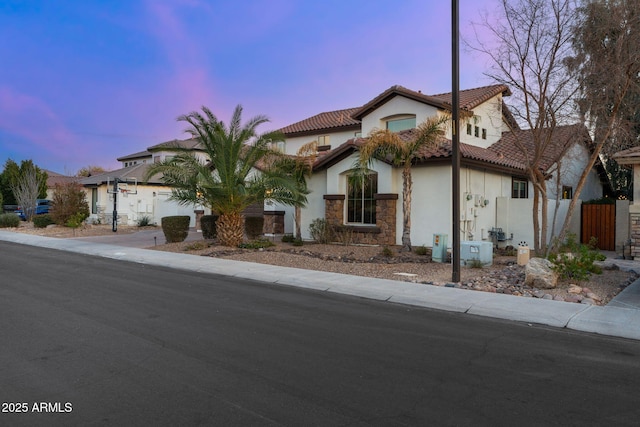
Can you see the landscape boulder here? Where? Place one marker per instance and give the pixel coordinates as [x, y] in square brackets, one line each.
[540, 274]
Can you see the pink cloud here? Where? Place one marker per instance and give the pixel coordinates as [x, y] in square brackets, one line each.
[32, 119]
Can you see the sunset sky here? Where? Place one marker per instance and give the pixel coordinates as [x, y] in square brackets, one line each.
[85, 82]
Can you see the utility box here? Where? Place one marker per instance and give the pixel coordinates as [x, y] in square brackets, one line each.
[439, 250]
[523, 255]
[473, 252]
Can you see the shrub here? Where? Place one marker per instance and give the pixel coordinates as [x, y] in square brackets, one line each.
[320, 231]
[76, 220]
[387, 252]
[257, 244]
[297, 242]
[144, 221]
[253, 226]
[9, 220]
[420, 250]
[175, 228]
[68, 201]
[344, 234]
[475, 263]
[576, 260]
[288, 238]
[208, 225]
[41, 221]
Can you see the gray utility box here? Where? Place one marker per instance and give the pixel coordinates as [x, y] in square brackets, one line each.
[476, 250]
[439, 249]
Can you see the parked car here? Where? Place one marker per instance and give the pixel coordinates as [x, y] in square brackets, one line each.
[42, 207]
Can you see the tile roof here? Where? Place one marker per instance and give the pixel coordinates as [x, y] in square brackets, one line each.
[349, 118]
[330, 120]
[471, 98]
[136, 171]
[189, 144]
[503, 154]
[137, 155]
[562, 138]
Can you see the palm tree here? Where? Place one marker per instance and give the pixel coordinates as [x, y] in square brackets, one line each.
[401, 151]
[242, 169]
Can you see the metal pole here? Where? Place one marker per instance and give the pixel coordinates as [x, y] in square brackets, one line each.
[455, 141]
[114, 222]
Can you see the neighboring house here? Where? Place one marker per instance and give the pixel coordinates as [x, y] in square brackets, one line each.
[493, 175]
[143, 198]
[54, 178]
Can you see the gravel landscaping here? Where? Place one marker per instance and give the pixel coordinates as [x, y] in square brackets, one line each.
[504, 276]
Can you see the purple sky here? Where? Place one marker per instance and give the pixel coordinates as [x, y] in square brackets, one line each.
[84, 82]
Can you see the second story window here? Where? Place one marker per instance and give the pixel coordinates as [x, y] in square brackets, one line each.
[519, 188]
[324, 140]
[404, 123]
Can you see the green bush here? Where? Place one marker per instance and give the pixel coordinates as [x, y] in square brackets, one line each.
[253, 226]
[297, 242]
[320, 231]
[144, 221]
[575, 260]
[288, 238]
[75, 220]
[208, 225]
[41, 221]
[175, 228]
[420, 250]
[257, 244]
[9, 220]
[387, 252]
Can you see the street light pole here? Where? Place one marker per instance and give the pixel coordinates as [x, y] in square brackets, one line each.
[455, 141]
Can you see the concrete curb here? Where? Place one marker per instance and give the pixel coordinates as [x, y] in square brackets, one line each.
[612, 321]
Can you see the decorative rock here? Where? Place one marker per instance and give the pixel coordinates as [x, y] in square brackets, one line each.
[593, 296]
[575, 289]
[586, 290]
[538, 294]
[539, 274]
[558, 298]
[588, 301]
[573, 298]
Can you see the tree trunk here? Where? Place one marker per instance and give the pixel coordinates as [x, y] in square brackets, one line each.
[298, 218]
[406, 208]
[230, 228]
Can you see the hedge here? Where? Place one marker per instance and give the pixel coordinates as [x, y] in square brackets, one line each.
[175, 228]
[208, 225]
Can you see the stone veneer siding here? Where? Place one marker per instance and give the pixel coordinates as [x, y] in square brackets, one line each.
[383, 233]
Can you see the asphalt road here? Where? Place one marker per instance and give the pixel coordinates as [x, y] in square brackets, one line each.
[92, 341]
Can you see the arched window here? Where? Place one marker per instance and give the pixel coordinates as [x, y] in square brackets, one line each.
[361, 204]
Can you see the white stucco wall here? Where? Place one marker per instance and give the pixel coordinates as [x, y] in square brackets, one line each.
[516, 216]
[571, 167]
[151, 201]
[488, 116]
[292, 145]
[396, 106]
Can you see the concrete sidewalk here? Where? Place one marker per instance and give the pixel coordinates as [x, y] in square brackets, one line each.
[621, 319]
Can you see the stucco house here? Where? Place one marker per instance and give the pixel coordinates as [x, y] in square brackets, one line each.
[140, 198]
[496, 197]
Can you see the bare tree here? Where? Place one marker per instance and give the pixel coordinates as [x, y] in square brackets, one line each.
[528, 46]
[26, 190]
[607, 40]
